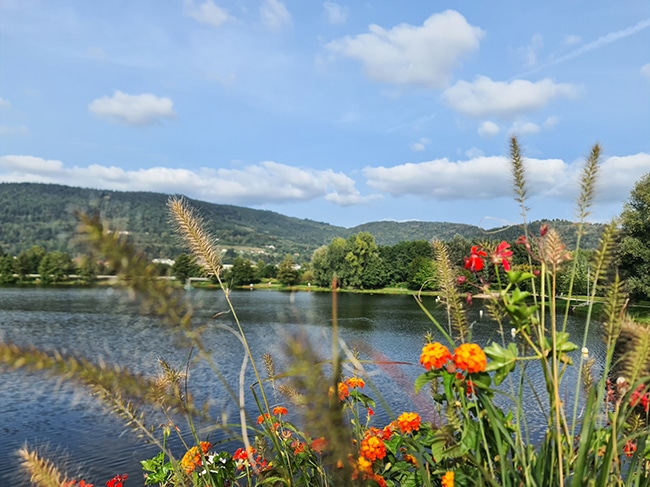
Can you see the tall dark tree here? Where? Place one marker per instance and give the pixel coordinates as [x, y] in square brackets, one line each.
[242, 272]
[55, 266]
[634, 248]
[7, 269]
[185, 266]
[287, 272]
[28, 261]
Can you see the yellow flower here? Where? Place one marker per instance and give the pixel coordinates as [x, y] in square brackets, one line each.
[355, 382]
[373, 448]
[434, 355]
[192, 457]
[408, 422]
[470, 357]
[448, 479]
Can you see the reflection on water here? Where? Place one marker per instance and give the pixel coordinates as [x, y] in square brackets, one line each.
[104, 324]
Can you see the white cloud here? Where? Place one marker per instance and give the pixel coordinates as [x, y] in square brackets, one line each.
[524, 128]
[145, 109]
[572, 39]
[486, 178]
[275, 15]
[263, 183]
[10, 130]
[488, 129]
[530, 52]
[486, 98]
[617, 175]
[550, 122]
[336, 14]
[207, 13]
[412, 55]
[31, 165]
[420, 145]
[4, 103]
[474, 152]
[645, 71]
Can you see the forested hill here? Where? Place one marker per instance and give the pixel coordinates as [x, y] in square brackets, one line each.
[44, 215]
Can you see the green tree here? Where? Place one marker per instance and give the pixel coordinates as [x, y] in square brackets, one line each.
[55, 267]
[287, 273]
[28, 261]
[634, 248]
[185, 266]
[242, 272]
[87, 269]
[7, 270]
[422, 274]
[400, 256]
[320, 267]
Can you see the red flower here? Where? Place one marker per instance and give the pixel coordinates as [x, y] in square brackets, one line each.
[474, 263]
[629, 448]
[502, 255]
[117, 481]
[639, 397]
[280, 411]
[468, 299]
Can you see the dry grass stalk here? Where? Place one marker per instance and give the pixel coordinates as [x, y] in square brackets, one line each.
[190, 227]
[588, 182]
[449, 292]
[42, 472]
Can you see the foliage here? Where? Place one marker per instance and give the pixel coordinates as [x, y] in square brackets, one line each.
[242, 273]
[44, 215]
[185, 266]
[55, 266]
[634, 249]
[596, 435]
[287, 272]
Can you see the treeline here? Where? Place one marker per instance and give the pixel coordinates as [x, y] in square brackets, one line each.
[356, 262]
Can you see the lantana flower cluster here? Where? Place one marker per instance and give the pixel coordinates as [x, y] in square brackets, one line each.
[469, 357]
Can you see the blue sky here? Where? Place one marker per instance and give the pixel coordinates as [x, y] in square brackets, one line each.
[344, 112]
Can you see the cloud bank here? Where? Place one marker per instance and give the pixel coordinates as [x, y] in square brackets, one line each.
[136, 110]
[478, 178]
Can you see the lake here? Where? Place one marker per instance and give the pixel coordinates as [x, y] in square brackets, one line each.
[105, 324]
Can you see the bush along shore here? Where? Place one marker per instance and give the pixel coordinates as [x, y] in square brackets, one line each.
[596, 436]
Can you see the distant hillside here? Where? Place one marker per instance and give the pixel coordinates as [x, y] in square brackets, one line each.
[44, 214]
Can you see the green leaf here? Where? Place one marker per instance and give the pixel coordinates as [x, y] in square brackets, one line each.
[517, 276]
[424, 379]
[502, 360]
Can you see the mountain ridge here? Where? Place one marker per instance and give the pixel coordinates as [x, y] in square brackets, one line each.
[44, 214]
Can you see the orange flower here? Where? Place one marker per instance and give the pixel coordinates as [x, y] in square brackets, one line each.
[373, 448]
[319, 444]
[408, 422]
[410, 459]
[298, 447]
[262, 417]
[434, 355]
[448, 479]
[280, 411]
[343, 390]
[364, 465]
[192, 457]
[355, 382]
[470, 357]
[629, 448]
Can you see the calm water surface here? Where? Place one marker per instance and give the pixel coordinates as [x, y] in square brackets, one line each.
[105, 324]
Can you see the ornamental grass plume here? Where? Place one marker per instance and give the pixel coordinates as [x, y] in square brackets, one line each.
[42, 471]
